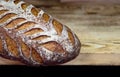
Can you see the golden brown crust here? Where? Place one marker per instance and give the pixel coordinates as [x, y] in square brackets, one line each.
[25, 26]
[53, 46]
[33, 31]
[6, 17]
[35, 11]
[58, 26]
[14, 22]
[16, 1]
[71, 37]
[36, 56]
[11, 45]
[3, 11]
[24, 6]
[25, 49]
[41, 37]
[45, 17]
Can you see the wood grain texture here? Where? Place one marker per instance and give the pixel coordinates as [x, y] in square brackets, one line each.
[4, 61]
[96, 59]
[98, 1]
[98, 29]
[43, 2]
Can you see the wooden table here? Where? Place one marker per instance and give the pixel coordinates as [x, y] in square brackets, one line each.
[98, 29]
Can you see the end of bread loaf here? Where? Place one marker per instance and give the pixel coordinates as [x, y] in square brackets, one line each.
[62, 46]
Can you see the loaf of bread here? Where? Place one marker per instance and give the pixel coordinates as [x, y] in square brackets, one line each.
[33, 37]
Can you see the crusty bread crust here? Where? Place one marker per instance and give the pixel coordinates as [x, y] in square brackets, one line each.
[33, 36]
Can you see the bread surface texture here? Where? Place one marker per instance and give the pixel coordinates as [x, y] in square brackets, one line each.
[34, 37]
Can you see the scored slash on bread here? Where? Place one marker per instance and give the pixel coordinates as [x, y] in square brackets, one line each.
[34, 37]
